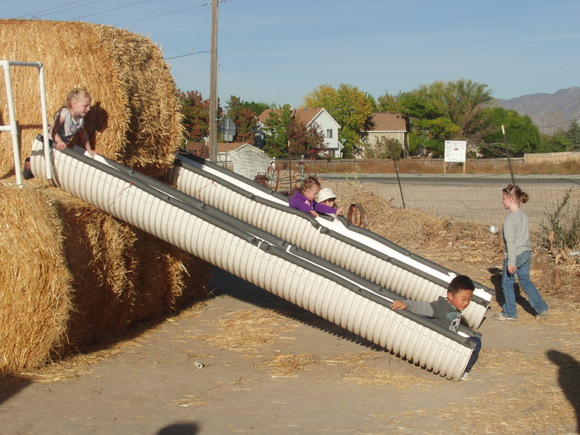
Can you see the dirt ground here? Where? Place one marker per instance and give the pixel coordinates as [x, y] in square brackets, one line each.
[246, 361]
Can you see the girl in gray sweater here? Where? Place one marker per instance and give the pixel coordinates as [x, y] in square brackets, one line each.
[517, 257]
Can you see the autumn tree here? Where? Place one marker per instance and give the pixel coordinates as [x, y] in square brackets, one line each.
[349, 106]
[195, 115]
[245, 115]
[305, 141]
[389, 103]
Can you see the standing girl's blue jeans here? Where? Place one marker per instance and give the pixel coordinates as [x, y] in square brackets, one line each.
[523, 263]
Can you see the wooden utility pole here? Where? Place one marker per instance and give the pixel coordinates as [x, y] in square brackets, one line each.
[213, 151]
[507, 152]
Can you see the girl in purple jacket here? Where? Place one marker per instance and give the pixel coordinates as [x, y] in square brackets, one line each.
[304, 199]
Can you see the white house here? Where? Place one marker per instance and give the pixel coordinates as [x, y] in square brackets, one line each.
[318, 118]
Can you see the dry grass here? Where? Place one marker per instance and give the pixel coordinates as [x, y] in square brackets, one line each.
[248, 331]
[135, 117]
[510, 405]
[415, 228]
[460, 244]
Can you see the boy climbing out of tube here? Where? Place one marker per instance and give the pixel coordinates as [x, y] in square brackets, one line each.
[447, 311]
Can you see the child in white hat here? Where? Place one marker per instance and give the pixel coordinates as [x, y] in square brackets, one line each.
[327, 197]
[304, 199]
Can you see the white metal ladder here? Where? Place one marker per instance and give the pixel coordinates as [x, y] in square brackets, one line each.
[13, 128]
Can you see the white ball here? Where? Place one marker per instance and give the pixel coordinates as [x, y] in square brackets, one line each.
[493, 229]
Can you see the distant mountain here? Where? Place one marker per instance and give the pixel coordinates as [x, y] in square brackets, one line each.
[549, 112]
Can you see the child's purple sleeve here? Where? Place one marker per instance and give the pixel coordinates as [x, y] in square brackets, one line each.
[298, 202]
[322, 208]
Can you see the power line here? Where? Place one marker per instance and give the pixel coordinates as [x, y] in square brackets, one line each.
[50, 9]
[62, 10]
[164, 14]
[60, 7]
[110, 10]
[185, 55]
[169, 13]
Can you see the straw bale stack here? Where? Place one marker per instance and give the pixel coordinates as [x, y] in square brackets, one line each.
[72, 275]
[135, 116]
[35, 283]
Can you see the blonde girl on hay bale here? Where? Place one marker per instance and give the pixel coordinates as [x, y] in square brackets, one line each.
[68, 120]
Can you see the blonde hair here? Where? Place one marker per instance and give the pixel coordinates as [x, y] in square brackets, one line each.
[308, 183]
[76, 93]
[516, 193]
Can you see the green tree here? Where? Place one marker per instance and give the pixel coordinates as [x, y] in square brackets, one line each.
[573, 135]
[557, 142]
[276, 129]
[349, 106]
[447, 111]
[384, 148]
[389, 103]
[522, 135]
[256, 106]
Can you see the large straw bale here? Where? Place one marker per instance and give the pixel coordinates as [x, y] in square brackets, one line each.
[35, 283]
[135, 116]
[79, 276]
[121, 275]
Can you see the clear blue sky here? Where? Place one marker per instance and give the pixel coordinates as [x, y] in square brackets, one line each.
[277, 51]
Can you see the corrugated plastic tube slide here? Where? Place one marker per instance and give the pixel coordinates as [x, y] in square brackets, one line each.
[356, 249]
[263, 259]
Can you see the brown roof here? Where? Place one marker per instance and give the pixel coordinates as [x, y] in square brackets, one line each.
[305, 116]
[266, 114]
[195, 147]
[383, 121]
[230, 146]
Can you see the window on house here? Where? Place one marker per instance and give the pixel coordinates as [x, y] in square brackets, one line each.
[329, 133]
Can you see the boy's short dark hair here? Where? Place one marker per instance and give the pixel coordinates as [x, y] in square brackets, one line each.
[460, 282]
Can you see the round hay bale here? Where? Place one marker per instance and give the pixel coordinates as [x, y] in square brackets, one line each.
[121, 275]
[35, 283]
[78, 276]
[134, 118]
